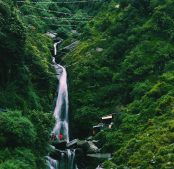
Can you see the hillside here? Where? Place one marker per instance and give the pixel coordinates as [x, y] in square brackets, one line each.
[27, 84]
[124, 65]
[27, 78]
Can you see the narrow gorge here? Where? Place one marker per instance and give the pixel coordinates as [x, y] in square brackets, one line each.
[105, 99]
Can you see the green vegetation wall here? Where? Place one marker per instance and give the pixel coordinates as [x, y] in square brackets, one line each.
[27, 84]
[27, 78]
[124, 65]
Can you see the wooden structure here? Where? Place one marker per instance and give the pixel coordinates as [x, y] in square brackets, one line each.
[106, 122]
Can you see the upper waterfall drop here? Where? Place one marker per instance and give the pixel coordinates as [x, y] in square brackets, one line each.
[61, 108]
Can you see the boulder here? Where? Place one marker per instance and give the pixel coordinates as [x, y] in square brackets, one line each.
[83, 144]
[87, 146]
[72, 144]
[96, 142]
[92, 148]
[61, 145]
[89, 138]
[56, 154]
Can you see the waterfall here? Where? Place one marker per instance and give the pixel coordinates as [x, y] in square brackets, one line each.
[61, 109]
[52, 164]
[61, 128]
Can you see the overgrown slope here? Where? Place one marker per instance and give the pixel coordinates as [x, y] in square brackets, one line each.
[27, 79]
[124, 65]
[27, 85]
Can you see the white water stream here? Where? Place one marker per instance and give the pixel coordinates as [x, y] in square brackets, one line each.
[67, 160]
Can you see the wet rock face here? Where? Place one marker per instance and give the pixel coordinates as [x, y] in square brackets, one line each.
[82, 149]
[80, 158]
[87, 146]
[83, 144]
[61, 145]
[72, 144]
[55, 154]
[92, 148]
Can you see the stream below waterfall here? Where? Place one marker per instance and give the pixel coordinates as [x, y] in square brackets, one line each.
[61, 128]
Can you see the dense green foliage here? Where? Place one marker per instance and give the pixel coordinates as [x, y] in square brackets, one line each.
[27, 84]
[24, 64]
[124, 65]
[27, 78]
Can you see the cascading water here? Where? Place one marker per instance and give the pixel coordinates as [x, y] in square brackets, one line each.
[67, 158]
[61, 109]
[52, 164]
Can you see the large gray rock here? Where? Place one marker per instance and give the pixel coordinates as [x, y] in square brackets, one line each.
[92, 148]
[87, 146]
[83, 144]
[96, 142]
[72, 144]
[90, 138]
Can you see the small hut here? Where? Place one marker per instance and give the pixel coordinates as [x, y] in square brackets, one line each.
[108, 120]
